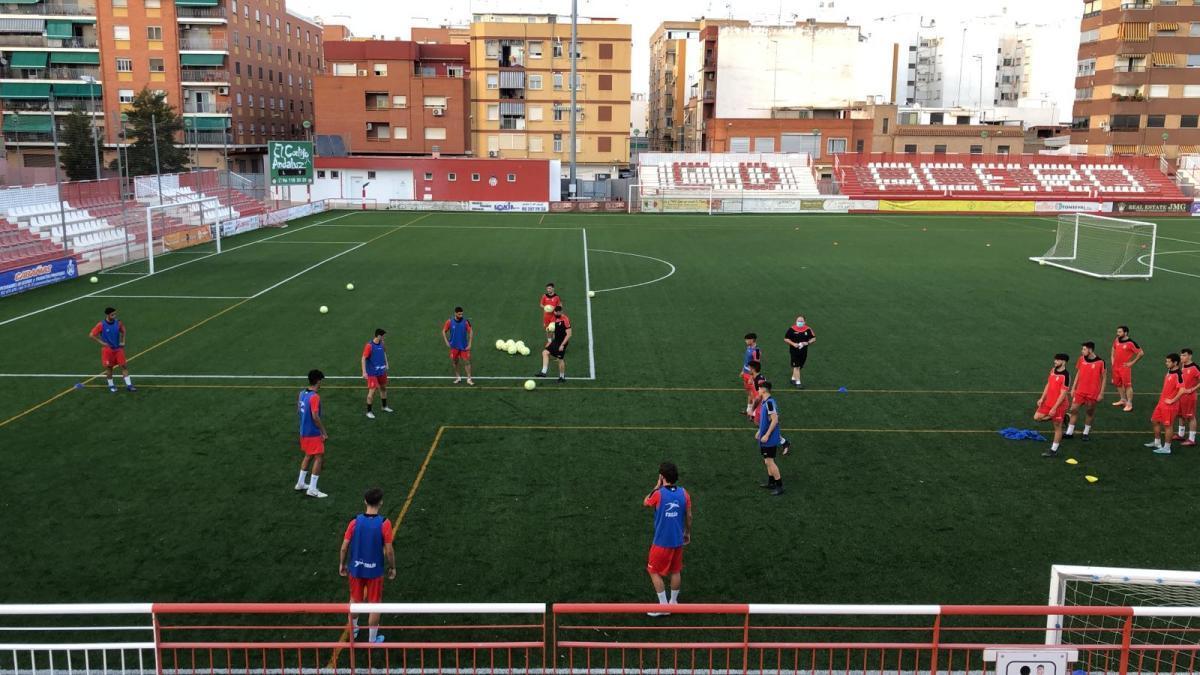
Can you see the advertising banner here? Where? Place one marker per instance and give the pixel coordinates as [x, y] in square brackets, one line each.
[1196, 208]
[503, 207]
[1152, 207]
[1073, 207]
[290, 162]
[21, 279]
[951, 206]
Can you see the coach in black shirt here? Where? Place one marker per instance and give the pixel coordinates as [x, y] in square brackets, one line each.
[799, 336]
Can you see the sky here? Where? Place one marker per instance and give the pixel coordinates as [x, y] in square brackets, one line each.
[393, 18]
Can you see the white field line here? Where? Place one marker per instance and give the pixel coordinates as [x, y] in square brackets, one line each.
[490, 227]
[297, 377]
[177, 297]
[139, 278]
[1143, 260]
[125, 274]
[318, 242]
[635, 255]
[587, 285]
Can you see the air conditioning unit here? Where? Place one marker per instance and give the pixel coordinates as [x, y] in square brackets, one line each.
[370, 126]
[223, 91]
[493, 153]
[438, 112]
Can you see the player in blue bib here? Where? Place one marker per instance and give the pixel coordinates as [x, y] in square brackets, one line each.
[672, 531]
[770, 437]
[366, 552]
[458, 334]
[375, 370]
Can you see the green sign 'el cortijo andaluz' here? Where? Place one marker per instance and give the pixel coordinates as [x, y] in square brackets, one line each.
[291, 162]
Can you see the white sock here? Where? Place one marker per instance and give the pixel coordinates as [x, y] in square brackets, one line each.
[662, 597]
[674, 596]
[1070, 429]
[128, 381]
[312, 485]
[1166, 446]
[301, 481]
[1157, 443]
[374, 633]
[110, 382]
[356, 624]
[1087, 429]
[1192, 436]
[543, 371]
[1054, 447]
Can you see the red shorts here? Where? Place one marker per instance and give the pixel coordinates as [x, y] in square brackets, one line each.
[1165, 414]
[1187, 406]
[748, 383]
[460, 354]
[366, 590]
[1122, 376]
[1057, 414]
[110, 357]
[376, 381]
[312, 445]
[664, 561]
[1084, 399]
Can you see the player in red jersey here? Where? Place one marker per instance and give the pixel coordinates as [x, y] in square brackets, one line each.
[1087, 390]
[752, 353]
[110, 335]
[1125, 353]
[549, 299]
[366, 549]
[752, 380]
[556, 344]
[1053, 403]
[375, 370]
[1168, 407]
[1187, 402]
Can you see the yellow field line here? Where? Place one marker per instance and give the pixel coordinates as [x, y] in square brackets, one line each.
[412, 492]
[748, 428]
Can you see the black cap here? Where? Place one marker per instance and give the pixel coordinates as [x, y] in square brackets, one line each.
[380, 332]
[109, 310]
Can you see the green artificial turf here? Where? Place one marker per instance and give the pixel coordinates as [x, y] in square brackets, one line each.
[899, 490]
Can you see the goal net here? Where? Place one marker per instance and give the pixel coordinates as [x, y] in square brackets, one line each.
[1166, 618]
[182, 224]
[1103, 247]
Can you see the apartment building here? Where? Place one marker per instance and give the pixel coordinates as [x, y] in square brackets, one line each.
[239, 71]
[1137, 86]
[521, 97]
[670, 65]
[396, 97]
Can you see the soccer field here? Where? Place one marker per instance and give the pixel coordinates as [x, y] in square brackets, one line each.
[899, 489]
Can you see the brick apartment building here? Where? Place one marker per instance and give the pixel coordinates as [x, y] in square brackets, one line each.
[240, 71]
[396, 97]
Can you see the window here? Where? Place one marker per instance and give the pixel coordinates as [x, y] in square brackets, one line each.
[381, 69]
[535, 49]
[493, 81]
[1193, 60]
[939, 149]
[400, 133]
[124, 65]
[558, 81]
[936, 118]
[125, 96]
[604, 113]
[512, 178]
[1156, 121]
[154, 32]
[153, 4]
[1191, 91]
[1159, 91]
[320, 173]
[976, 149]
[604, 143]
[451, 177]
[493, 112]
[1081, 123]
[157, 66]
[1091, 8]
[536, 144]
[885, 126]
[534, 113]
[1089, 36]
[858, 146]
[492, 50]
[399, 101]
[910, 149]
[1002, 149]
[1195, 29]
[258, 16]
[558, 142]
[836, 145]
[121, 32]
[605, 82]
[558, 49]
[1083, 94]
[238, 98]
[435, 101]
[428, 175]
[606, 50]
[250, 100]
[344, 70]
[1085, 67]
[1125, 122]
[474, 178]
[120, 3]
[535, 81]
[435, 133]
[335, 174]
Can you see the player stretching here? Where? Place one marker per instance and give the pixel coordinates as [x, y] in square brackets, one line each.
[375, 369]
[1168, 407]
[770, 438]
[1087, 390]
[110, 335]
[672, 531]
[312, 435]
[1053, 403]
[549, 301]
[1125, 353]
[752, 353]
[556, 345]
[798, 337]
[458, 335]
[368, 540]
[1187, 402]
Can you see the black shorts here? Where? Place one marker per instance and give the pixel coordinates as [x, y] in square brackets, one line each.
[799, 357]
[768, 453]
[558, 351]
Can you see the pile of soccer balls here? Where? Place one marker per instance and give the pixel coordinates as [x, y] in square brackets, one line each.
[512, 347]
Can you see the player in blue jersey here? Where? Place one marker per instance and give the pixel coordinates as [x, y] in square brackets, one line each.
[752, 353]
[770, 438]
[375, 369]
[458, 335]
[110, 335]
[672, 531]
[312, 435]
[366, 548]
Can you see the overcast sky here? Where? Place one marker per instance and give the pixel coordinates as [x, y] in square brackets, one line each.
[393, 18]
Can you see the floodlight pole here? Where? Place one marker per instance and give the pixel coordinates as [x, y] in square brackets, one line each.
[95, 139]
[157, 170]
[62, 204]
[572, 189]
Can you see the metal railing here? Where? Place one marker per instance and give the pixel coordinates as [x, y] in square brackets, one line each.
[203, 75]
[62, 104]
[43, 41]
[204, 43]
[16, 137]
[197, 107]
[49, 9]
[183, 12]
[206, 138]
[56, 73]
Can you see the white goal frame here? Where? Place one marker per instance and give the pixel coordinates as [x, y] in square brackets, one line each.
[1060, 575]
[165, 206]
[1063, 262]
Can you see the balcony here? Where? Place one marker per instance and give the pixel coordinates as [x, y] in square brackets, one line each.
[203, 75]
[49, 9]
[198, 107]
[208, 44]
[184, 13]
[43, 41]
[17, 137]
[1137, 4]
[62, 105]
[206, 138]
[48, 73]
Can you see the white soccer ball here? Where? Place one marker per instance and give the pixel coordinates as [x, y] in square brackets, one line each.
[94, 280]
[520, 345]
[550, 326]
[591, 294]
[1041, 262]
[548, 308]
[523, 351]
[500, 345]
[511, 349]
[324, 309]
[530, 385]
[510, 344]
[349, 287]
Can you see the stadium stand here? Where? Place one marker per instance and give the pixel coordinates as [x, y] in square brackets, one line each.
[768, 175]
[1003, 176]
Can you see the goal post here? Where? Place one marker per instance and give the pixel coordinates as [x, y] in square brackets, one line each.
[182, 224]
[1103, 247]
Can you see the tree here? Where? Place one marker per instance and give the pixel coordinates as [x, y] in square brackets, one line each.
[76, 148]
[151, 107]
